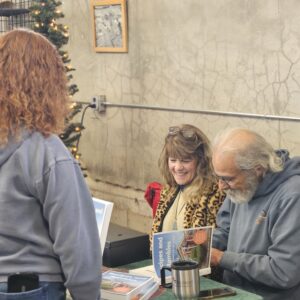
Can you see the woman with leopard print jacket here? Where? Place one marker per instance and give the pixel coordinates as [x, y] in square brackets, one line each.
[190, 198]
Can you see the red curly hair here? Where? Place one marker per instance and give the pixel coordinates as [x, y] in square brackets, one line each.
[33, 85]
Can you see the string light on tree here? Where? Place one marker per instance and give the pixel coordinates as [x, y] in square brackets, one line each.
[45, 15]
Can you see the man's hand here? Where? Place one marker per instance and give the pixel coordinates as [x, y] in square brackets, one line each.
[216, 256]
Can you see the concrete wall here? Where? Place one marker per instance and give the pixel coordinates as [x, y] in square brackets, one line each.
[225, 55]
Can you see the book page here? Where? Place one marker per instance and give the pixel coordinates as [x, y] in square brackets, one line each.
[146, 271]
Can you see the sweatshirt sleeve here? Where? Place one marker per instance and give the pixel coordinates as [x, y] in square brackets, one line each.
[221, 232]
[279, 267]
[69, 211]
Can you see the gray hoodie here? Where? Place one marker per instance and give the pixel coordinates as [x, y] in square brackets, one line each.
[261, 238]
[47, 219]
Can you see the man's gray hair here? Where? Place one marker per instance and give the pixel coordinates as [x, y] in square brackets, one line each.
[251, 154]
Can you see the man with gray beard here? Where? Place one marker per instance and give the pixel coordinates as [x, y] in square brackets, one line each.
[257, 239]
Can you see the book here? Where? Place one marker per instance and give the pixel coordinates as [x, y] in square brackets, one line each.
[147, 291]
[103, 210]
[146, 271]
[123, 286]
[187, 244]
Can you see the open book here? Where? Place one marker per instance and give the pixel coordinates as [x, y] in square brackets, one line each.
[188, 244]
[103, 211]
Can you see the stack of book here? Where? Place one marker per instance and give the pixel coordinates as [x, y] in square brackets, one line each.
[124, 286]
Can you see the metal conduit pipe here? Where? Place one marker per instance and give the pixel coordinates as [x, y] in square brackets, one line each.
[103, 104]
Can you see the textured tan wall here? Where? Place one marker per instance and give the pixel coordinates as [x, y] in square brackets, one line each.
[225, 55]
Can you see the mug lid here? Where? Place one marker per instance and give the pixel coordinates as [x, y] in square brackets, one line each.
[185, 265]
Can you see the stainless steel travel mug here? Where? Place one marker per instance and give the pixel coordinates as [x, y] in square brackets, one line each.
[185, 278]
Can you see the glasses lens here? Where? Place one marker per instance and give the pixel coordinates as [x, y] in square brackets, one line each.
[188, 134]
[174, 130]
[226, 180]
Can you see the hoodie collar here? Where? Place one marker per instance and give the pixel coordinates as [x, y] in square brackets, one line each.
[11, 147]
[272, 180]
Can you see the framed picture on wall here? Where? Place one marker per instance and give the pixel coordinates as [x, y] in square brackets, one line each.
[110, 25]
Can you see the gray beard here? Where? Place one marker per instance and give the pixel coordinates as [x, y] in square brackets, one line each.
[244, 196]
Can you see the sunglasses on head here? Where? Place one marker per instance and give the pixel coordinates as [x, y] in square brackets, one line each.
[186, 133]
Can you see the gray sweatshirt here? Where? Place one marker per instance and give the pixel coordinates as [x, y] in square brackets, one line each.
[47, 219]
[261, 239]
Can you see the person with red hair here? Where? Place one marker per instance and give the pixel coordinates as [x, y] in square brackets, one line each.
[48, 225]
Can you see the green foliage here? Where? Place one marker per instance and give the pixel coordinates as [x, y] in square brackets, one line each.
[44, 14]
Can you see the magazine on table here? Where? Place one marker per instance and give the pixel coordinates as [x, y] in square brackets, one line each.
[124, 286]
[188, 244]
[103, 210]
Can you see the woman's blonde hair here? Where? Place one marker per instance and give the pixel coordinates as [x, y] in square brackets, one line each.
[188, 141]
[33, 85]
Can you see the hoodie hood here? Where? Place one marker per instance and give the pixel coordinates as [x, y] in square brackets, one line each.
[272, 180]
[7, 151]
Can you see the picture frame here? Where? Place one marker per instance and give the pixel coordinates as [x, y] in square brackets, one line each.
[110, 25]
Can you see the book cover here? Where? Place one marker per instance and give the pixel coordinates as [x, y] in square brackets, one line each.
[187, 244]
[146, 271]
[103, 210]
[147, 291]
[123, 286]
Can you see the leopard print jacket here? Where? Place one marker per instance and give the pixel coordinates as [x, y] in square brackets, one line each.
[202, 213]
